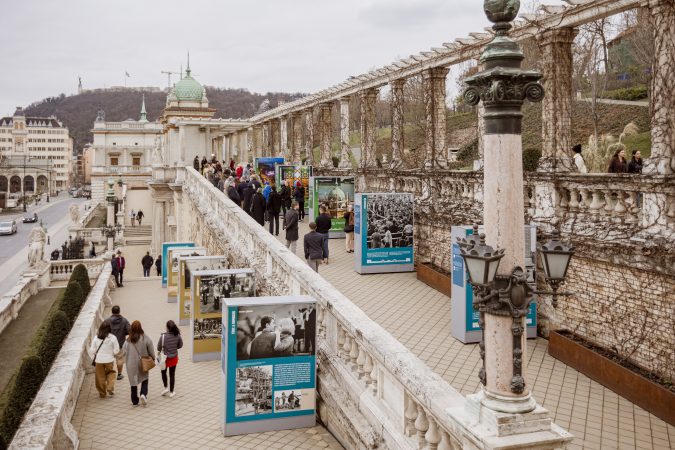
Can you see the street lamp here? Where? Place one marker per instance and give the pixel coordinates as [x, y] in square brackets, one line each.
[481, 260]
[556, 256]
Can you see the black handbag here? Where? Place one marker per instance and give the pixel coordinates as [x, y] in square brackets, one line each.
[93, 360]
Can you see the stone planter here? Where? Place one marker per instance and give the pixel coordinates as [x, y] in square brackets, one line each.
[650, 396]
[432, 277]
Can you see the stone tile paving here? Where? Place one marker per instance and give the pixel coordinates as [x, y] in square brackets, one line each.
[191, 419]
[419, 317]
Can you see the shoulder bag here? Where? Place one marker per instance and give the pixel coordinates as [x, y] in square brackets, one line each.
[161, 356]
[93, 360]
[147, 362]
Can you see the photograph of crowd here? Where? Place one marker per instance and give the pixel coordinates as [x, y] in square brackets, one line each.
[207, 329]
[293, 400]
[336, 194]
[390, 220]
[254, 391]
[273, 331]
[293, 174]
[214, 288]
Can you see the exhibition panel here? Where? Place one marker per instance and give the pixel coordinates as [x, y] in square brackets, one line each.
[173, 253]
[187, 265]
[336, 194]
[210, 288]
[269, 364]
[383, 232]
[165, 256]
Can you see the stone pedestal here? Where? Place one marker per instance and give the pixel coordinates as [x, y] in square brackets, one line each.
[397, 124]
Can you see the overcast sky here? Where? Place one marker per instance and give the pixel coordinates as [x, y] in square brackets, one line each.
[259, 45]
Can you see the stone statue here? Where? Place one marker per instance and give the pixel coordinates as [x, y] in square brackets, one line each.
[74, 211]
[36, 246]
[157, 157]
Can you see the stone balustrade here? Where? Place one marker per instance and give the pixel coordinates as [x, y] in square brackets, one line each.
[28, 285]
[47, 423]
[373, 392]
[62, 269]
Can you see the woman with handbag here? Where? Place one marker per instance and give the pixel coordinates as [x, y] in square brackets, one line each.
[167, 355]
[139, 353]
[349, 229]
[104, 347]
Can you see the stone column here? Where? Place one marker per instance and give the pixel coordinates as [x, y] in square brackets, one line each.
[368, 136]
[556, 109]
[434, 102]
[309, 136]
[159, 222]
[249, 137]
[265, 136]
[326, 134]
[661, 19]
[296, 119]
[275, 133]
[397, 124]
[257, 141]
[345, 148]
[283, 137]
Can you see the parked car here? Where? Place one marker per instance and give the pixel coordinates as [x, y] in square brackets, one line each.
[8, 227]
[30, 218]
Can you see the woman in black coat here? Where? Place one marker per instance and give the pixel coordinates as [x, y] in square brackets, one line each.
[258, 207]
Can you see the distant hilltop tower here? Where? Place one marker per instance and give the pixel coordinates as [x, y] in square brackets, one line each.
[79, 85]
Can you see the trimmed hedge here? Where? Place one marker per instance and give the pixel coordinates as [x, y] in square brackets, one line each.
[25, 383]
[81, 275]
[630, 94]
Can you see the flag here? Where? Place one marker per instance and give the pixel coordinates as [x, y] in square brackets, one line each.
[127, 74]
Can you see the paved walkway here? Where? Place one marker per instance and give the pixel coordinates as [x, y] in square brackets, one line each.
[419, 317]
[191, 419]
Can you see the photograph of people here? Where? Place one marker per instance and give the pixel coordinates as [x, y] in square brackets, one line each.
[254, 391]
[207, 329]
[390, 220]
[294, 400]
[275, 331]
[214, 288]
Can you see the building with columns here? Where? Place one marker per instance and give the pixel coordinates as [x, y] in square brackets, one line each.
[35, 154]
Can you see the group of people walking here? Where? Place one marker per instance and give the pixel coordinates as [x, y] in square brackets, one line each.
[617, 164]
[119, 343]
[136, 217]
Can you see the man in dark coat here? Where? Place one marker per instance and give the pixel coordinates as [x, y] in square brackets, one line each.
[258, 207]
[119, 327]
[323, 225]
[291, 226]
[195, 163]
[273, 209]
[146, 262]
[233, 194]
[286, 195]
[247, 200]
[121, 265]
[158, 265]
[262, 346]
[299, 195]
[115, 264]
[313, 243]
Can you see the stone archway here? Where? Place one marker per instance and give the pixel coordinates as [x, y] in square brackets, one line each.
[42, 184]
[4, 184]
[15, 184]
[29, 183]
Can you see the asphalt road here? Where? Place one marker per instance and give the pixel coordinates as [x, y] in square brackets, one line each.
[14, 248]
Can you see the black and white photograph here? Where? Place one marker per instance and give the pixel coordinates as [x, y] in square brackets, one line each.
[206, 264]
[294, 400]
[183, 253]
[214, 288]
[390, 220]
[274, 331]
[254, 391]
[207, 329]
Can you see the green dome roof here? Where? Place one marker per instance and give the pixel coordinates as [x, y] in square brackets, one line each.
[188, 88]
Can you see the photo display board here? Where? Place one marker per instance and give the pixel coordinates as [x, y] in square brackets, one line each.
[337, 193]
[294, 173]
[269, 364]
[383, 232]
[173, 273]
[210, 289]
[265, 167]
[165, 257]
[187, 265]
[464, 320]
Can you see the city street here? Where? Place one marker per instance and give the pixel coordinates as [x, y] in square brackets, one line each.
[14, 248]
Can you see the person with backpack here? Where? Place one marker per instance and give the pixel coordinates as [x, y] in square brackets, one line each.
[168, 346]
[119, 327]
[139, 355]
[103, 349]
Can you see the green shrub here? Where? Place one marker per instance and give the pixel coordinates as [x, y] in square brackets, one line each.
[52, 335]
[20, 394]
[630, 94]
[81, 275]
[531, 157]
[72, 301]
[468, 152]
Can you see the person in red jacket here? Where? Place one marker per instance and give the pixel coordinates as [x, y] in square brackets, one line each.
[240, 171]
[121, 264]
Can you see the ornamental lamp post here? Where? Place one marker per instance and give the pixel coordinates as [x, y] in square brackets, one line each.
[556, 256]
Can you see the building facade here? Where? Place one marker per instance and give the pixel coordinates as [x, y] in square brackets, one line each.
[35, 154]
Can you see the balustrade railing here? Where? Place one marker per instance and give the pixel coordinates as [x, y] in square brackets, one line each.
[393, 391]
[62, 269]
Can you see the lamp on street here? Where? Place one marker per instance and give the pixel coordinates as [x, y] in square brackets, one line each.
[556, 256]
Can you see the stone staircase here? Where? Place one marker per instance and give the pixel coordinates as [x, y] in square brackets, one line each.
[138, 235]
